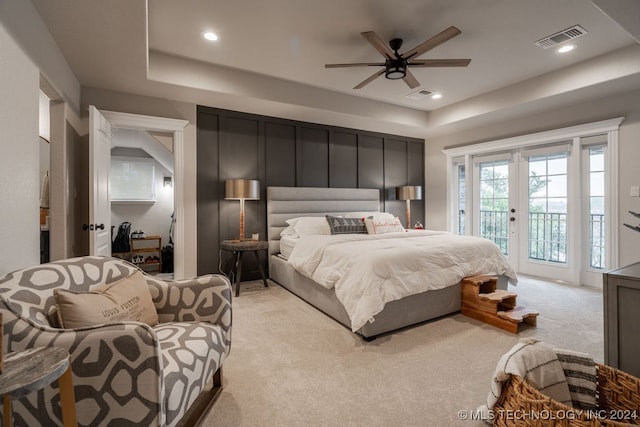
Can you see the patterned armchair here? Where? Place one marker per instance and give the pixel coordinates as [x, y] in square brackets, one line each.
[124, 373]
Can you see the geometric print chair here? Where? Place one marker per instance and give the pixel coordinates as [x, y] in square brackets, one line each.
[124, 373]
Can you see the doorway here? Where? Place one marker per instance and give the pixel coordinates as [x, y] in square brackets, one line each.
[546, 200]
[173, 129]
[141, 183]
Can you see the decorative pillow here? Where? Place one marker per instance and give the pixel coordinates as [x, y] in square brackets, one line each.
[122, 300]
[340, 225]
[310, 225]
[375, 226]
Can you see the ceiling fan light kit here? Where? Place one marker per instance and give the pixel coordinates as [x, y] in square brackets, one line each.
[396, 65]
[395, 69]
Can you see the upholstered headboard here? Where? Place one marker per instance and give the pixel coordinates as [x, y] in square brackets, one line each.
[284, 203]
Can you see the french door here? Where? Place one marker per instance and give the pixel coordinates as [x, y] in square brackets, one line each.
[496, 202]
[548, 200]
[544, 209]
[549, 220]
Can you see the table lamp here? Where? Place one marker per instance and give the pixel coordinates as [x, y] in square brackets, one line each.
[241, 189]
[409, 193]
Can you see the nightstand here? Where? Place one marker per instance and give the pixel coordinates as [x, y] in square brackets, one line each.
[238, 247]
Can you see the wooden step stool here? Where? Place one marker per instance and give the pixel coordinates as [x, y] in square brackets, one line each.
[482, 301]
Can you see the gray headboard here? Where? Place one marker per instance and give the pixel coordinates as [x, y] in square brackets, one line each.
[284, 203]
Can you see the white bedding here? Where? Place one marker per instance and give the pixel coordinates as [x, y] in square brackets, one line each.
[367, 271]
[287, 243]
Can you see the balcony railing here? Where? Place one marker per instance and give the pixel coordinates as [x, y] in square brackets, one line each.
[547, 235]
[597, 240]
[494, 225]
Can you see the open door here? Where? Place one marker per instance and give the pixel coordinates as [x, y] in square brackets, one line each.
[99, 226]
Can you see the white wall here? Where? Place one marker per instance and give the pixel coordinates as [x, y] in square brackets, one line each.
[19, 163]
[154, 219]
[618, 105]
[22, 21]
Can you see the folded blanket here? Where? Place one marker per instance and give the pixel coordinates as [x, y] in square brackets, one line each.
[535, 362]
[582, 377]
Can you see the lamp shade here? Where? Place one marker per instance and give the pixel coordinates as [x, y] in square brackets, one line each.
[242, 189]
[409, 192]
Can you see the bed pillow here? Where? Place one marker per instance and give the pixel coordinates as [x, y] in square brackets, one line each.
[381, 226]
[289, 231]
[310, 225]
[373, 215]
[341, 225]
[127, 299]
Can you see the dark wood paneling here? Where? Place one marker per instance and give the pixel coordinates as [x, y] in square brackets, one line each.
[416, 176]
[395, 163]
[239, 158]
[371, 163]
[395, 175]
[280, 152]
[343, 156]
[209, 192]
[314, 167]
[280, 147]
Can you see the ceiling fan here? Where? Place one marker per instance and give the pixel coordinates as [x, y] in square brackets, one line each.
[396, 65]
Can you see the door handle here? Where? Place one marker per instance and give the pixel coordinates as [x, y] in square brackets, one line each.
[86, 227]
[512, 219]
[100, 227]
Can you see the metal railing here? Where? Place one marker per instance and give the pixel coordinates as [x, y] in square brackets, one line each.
[547, 235]
[494, 225]
[597, 240]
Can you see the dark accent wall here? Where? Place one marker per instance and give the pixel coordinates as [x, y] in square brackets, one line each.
[287, 153]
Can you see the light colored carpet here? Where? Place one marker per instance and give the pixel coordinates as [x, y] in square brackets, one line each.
[291, 365]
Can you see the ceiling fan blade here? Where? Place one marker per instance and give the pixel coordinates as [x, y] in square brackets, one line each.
[370, 79]
[434, 41]
[378, 44]
[355, 64]
[410, 80]
[440, 63]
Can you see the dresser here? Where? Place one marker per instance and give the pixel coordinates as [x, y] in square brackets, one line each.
[622, 318]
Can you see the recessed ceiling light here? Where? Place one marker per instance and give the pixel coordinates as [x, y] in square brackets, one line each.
[436, 96]
[566, 48]
[208, 35]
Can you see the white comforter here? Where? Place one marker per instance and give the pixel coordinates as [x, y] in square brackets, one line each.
[367, 271]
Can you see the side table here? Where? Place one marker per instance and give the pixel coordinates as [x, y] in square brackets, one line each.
[238, 247]
[33, 369]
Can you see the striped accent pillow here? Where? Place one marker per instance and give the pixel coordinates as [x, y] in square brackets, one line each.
[340, 225]
[580, 371]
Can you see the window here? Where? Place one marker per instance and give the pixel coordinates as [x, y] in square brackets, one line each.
[546, 199]
[132, 179]
[596, 207]
[548, 207]
[461, 195]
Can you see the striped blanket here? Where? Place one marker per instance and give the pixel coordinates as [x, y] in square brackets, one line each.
[580, 371]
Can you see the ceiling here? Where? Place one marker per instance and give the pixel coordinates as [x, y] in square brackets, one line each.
[276, 50]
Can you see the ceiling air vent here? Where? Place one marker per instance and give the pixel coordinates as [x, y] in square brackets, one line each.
[562, 36]
[419, 94]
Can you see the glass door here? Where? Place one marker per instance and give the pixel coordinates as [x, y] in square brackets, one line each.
[545, 233]
[547, 200]
[594, 204]
[495, 216]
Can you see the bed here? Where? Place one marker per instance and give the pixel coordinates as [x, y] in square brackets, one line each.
[287, 203]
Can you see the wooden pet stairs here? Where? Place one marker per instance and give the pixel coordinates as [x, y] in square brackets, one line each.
[482, 301]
